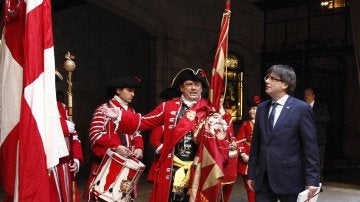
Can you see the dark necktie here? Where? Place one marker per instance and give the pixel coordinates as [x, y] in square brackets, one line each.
[272, 115]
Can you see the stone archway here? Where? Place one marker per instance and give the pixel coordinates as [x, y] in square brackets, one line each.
[252, 67]
[156, 26]
[109, 41]
[137, 14]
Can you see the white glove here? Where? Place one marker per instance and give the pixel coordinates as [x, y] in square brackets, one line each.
[75, 166]
[113, 112]
[71, 126]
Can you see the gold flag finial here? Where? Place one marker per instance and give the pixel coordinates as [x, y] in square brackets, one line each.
[69, 64]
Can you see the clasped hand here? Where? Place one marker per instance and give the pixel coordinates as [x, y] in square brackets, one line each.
[124, 151]
[233, 145]
[312, 191]
[75, 166]
[71, 126]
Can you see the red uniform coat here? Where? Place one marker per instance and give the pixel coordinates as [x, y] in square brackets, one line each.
[165, 114]
[244, 135]
[156, 141]
[76, 143]
[104, 135]
[60, 176]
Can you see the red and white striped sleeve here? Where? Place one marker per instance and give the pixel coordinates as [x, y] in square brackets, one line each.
[99, 135]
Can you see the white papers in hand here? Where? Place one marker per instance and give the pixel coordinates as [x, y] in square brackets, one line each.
[303, 196]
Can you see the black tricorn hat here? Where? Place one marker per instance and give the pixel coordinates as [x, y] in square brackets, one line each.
[168, 94]
[190, 74]
[123, 82]
[184, 75]
[253, 102]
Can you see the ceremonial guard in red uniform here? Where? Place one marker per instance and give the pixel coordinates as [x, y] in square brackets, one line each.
[61, 176]
[244, 138]
[103, 131]
[180, 117]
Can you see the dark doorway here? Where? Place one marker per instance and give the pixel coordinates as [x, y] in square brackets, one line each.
[106, 46]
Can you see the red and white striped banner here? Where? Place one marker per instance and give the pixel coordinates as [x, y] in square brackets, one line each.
[31, 139]
[217, 77]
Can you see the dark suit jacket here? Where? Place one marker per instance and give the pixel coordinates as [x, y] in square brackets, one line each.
[322, 117]
[290, 153]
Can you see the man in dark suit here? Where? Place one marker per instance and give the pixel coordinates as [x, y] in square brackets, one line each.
[322, 117]
[284, 156]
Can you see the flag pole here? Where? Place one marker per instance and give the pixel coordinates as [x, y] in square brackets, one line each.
[69, 66]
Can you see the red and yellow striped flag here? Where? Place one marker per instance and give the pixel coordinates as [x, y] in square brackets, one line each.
[219, 66]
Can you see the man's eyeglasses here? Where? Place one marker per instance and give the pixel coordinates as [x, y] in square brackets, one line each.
[271, 78]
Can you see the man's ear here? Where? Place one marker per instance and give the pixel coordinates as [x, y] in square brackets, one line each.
[285, 86]
[181, 87]
[118, 91]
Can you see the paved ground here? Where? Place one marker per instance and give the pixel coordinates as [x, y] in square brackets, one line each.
[342, 187]
[332, 191]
